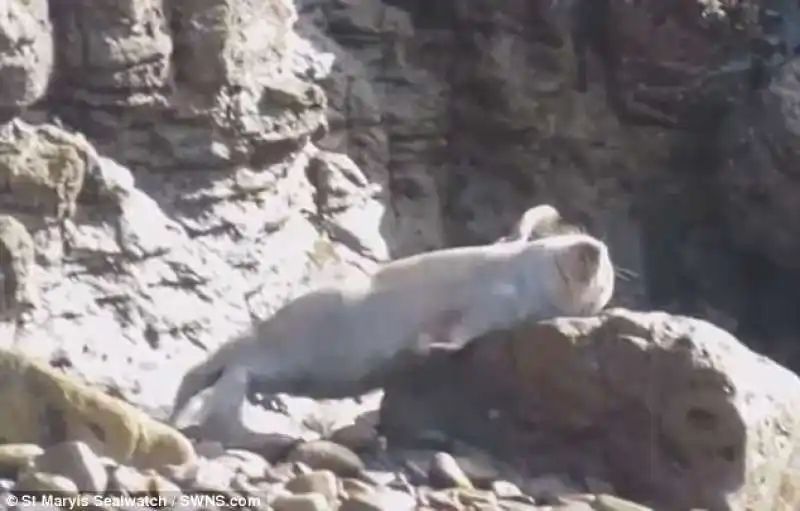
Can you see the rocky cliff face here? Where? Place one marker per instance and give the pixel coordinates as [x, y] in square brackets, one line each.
[668, 129]
[174, 169]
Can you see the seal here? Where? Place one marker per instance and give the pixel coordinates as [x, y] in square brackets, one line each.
[345, 340]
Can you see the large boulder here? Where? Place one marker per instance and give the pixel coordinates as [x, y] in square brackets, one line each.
[671, 410]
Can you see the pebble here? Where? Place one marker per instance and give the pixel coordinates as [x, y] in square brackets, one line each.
[76, 461]
[607, 502]
[185, 474]
[379, 500]
[32, 480]
[248, 463]
[481, 468]
[441, 499]
[310, 480]
[127, 479]
[160, 485]
[575, 506]
[323, 482]
[360, 436]
[212, 476]
[280, 473]
[473, 497]
[304, 502]
[355, 486]
[209, 449]
[549, 489]
[14, 457]
[327, 455]
[444, 472]
[510, 505]
[506, 489]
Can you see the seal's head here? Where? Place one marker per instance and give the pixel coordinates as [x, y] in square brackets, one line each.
[583, 273]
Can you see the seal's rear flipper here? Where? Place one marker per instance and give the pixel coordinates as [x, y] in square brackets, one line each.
[195, 382]
[221, 401]
[194, 413]
[536, 222]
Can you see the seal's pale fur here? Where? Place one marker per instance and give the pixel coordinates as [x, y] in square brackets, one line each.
[342, 341]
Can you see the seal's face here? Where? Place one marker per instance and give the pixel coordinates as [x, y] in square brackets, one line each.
[585, 272]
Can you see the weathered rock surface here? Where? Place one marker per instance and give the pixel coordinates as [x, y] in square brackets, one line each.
[758, 178]
[184, 168]
[26, 53]
[670, 410]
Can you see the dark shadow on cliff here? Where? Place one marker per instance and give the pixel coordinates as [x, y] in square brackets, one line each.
[695, 266]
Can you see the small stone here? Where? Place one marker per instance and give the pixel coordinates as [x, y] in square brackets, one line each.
[212, 476]
[32, 480]
[360, 436]
[14, 457]
[249, 463]
[548, 489]
[380, 500]
[480, 467]
[185, 474]
[607, 502]
[109, 462]
[512, 505]
[78, 462]
[243, 486]
[442, 499]
[36, 506]
[160, 485]
[280, 473]
[322, 481]
[127, 479]
[378, 477]
[304, 502]
[570, 505]
[356, 487]
[444, 472]
[299, 468]
[473, 497]
[506, 489]
[209, 449]
[326, 455]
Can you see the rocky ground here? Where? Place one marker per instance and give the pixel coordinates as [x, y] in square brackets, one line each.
[174, 171]
[315, 476]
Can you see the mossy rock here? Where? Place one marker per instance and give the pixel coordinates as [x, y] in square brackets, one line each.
[44, 406]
